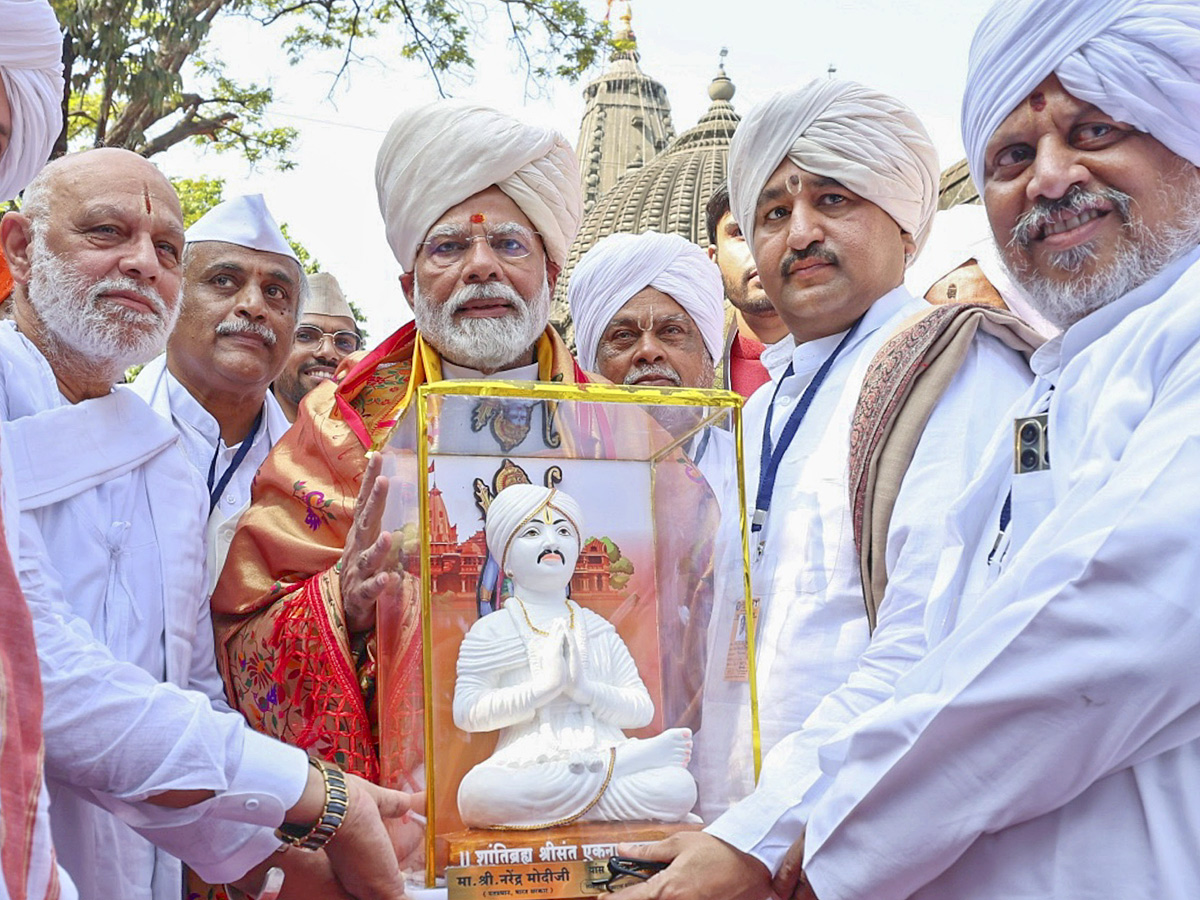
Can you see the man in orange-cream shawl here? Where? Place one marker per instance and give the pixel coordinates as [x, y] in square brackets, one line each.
[480, 210]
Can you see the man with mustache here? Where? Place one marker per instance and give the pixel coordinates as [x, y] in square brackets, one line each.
[834, 186]
[647, 310]
[755, 324]
[243, 288]
[479, 210]
[326, 334]
[144, 762]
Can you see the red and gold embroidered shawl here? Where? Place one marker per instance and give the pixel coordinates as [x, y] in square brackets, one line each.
[282, 643]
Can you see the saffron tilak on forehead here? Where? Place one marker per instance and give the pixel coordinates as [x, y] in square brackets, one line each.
[478, 218]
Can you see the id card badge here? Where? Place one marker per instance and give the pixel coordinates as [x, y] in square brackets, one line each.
[737, 659]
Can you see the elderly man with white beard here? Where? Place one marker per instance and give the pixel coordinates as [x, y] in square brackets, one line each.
[480, 210]
[139, 744]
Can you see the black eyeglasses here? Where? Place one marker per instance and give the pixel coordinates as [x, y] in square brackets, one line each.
[344, 341]
[624, 871]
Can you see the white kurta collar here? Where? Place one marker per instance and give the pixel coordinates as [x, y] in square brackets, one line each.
[807, 357]
[1060, 350]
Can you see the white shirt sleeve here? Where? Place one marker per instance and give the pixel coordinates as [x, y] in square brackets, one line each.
[112, 729]
[766, 823]
[1079, 662]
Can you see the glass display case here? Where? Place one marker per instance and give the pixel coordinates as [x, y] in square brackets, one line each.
[543, 675]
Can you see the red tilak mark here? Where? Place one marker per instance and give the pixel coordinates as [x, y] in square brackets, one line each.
[1038, 101]
[478, 219]
[146, 194]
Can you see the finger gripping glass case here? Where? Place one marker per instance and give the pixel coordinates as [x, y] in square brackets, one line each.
[542, 672]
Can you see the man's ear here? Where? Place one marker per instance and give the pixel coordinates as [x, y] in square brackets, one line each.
[712, 252]
[406, 285]
[16, 237]
[910, 248]
[552, 271]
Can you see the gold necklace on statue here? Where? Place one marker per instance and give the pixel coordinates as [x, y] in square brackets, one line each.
[534, 628]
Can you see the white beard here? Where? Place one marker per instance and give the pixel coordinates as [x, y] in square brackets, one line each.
[1140, 255]
[487, 344]
[110, 337]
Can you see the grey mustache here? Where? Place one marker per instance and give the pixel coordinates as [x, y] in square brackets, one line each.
[245, 326]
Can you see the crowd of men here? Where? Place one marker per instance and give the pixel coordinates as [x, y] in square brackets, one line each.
[975, 659]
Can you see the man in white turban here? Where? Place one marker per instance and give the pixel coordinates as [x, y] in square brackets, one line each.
[834, 185]
[31, 89]
[648, 309]
[1049, 744]
[480, 209]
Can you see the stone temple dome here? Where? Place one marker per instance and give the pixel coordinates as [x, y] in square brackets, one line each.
[667, 194]
[626, 118]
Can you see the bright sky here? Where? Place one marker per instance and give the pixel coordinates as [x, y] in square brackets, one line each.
[916, 50]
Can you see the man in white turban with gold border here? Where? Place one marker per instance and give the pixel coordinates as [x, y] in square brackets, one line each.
[834, 185]
[480, 210]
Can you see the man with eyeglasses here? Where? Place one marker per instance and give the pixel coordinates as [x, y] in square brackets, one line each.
[243, 288]
[326, 335]
[480, 210]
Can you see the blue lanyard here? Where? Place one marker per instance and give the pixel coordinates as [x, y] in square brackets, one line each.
[214, 494]
[772, 457]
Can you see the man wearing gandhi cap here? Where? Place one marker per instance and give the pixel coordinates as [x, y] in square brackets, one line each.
[834, 186]
[325, 335]
[479, 210]
[648, 309]
[243, 288]
[1049, 744]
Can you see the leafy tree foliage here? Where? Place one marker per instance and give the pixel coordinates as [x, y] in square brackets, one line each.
[145, 76]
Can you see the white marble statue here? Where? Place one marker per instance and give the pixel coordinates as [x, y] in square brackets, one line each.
[559, 684]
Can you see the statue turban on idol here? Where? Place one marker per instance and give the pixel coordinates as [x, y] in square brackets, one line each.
[559, 684]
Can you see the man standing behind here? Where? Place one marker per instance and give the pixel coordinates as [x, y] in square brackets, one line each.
[480, 210]
[755, 324]
[647, 310]
[326, 335]
[242, 290]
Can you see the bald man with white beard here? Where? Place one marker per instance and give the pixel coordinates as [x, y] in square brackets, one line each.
[143, 760]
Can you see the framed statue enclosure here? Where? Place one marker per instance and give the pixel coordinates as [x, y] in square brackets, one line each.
[577, 579]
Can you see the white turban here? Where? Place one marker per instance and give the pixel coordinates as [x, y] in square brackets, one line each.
[31, 68]
[1136, 60]
[519, 503]
[436, 156]
[616, 268]
[870, 142]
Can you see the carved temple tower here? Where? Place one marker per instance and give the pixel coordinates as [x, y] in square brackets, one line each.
[626, 117]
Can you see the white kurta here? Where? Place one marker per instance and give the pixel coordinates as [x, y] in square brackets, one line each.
[1049, 746]
[818, 666]
[200, 437]
[111, 565]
